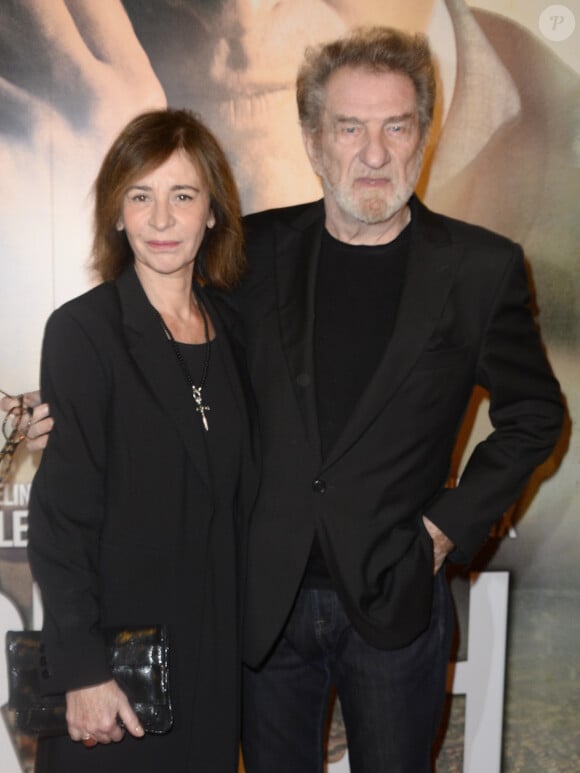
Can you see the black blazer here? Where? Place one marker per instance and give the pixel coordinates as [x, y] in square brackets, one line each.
[463, 320]
[122, 504]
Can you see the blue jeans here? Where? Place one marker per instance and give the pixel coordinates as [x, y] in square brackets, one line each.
[391, 699]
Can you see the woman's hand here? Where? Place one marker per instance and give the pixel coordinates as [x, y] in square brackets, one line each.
[100, 713]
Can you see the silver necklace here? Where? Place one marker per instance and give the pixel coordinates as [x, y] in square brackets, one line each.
[196, 391]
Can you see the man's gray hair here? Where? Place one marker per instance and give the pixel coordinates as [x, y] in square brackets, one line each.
[377, 49]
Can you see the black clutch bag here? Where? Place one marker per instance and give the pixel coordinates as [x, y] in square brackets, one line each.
[139, 662]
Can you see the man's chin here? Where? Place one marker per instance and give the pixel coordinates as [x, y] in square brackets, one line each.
[369, 208]
[376, 211]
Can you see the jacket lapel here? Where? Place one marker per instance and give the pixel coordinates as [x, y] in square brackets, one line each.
[297, 251]
[232, 349]
[157, 363]
[432, 264]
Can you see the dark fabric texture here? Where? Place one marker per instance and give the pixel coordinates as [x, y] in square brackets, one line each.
[391, 700]
[130, 524]
[357, 295]
[463, 320]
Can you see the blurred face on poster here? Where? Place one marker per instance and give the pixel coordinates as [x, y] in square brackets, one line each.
[96, 65]
[236, 49]
[232, 61]
[235, 62]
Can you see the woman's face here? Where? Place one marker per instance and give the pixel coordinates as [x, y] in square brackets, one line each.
[165, 214]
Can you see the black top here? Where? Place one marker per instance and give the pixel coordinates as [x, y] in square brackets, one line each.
[357, 295]
[224, 436]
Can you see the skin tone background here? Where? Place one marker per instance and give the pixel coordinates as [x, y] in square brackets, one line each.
[504, 152]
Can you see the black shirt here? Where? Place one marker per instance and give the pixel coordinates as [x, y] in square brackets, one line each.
[358, 289]
[357, 296]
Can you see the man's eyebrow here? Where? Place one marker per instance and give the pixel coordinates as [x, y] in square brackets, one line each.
[339, 118]
[400, 118]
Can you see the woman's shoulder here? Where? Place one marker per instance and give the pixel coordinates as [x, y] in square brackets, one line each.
[97, 308]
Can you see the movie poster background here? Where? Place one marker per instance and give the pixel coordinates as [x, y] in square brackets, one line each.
[505, 154]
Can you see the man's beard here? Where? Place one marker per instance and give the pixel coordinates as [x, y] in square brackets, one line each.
[372, 207]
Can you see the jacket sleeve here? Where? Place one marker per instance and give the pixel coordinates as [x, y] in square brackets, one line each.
[526, 413]
[67, 505]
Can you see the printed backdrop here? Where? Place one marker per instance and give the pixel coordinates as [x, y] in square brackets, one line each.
[505, 153]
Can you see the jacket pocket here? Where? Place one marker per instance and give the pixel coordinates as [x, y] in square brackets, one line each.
[436, 359]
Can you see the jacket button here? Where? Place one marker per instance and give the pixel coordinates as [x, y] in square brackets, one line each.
[319, 486]
[45, 673]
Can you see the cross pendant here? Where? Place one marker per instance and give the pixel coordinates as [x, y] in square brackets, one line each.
[201, 408]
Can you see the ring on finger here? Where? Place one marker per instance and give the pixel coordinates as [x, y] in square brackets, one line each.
[89, 741]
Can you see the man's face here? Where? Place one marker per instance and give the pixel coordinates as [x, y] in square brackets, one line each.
[369, 150]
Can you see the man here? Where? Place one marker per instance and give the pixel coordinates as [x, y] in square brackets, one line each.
[369, 320]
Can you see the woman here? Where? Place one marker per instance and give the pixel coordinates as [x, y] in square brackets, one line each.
[138, 505]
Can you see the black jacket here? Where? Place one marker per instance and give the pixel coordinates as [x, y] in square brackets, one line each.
[463, 320]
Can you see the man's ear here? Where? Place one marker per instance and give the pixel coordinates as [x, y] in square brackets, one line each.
[311, 142]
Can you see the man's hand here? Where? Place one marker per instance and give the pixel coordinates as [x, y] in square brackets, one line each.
[11, 402]
[35, 423]
[442, 545]
[92, 714]
[41, 423]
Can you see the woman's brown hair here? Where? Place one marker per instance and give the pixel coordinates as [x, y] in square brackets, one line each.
[143, 145]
